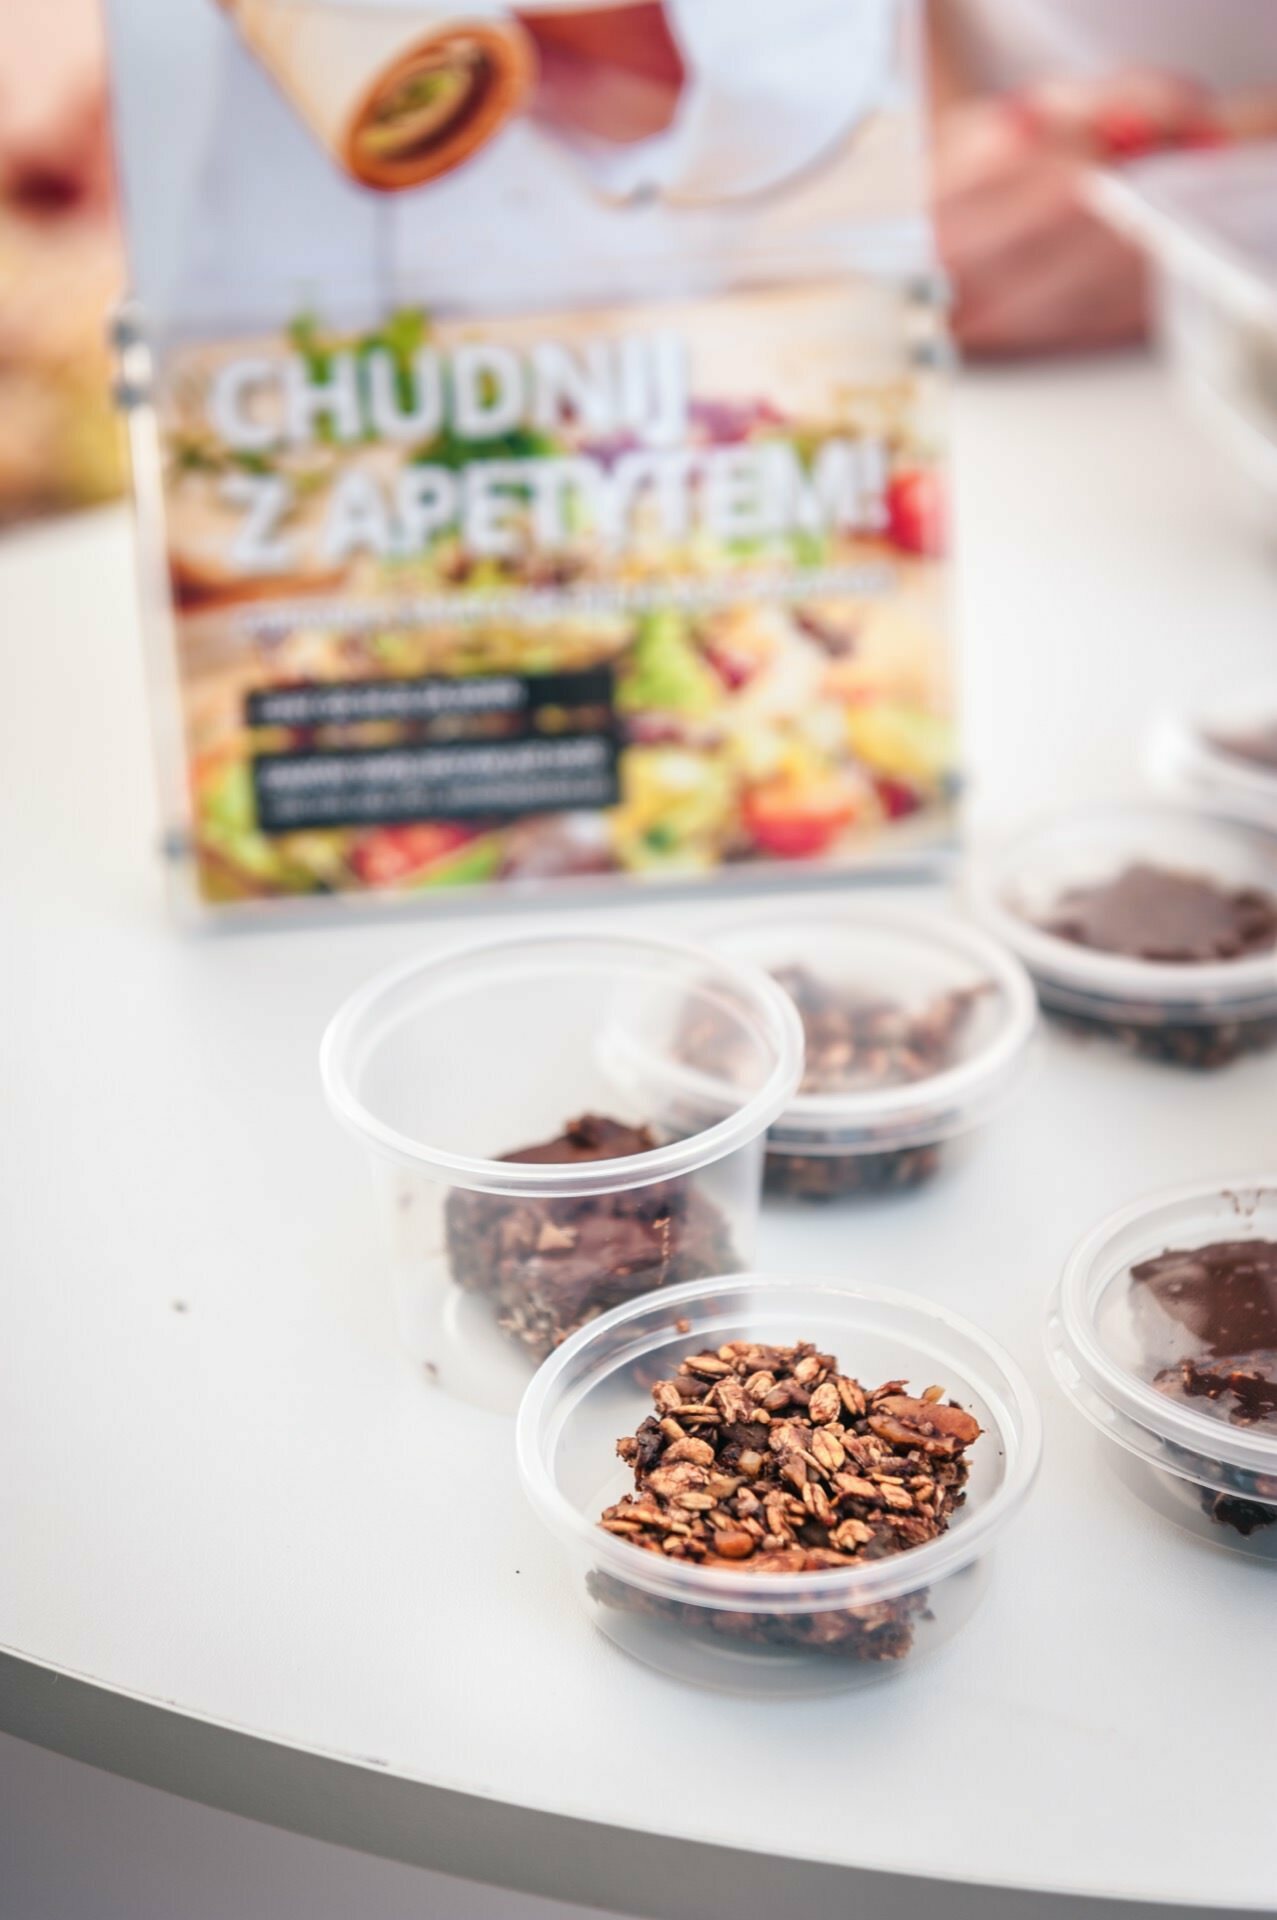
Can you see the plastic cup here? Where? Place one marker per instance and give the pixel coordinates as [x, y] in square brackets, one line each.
[1195, 1014]
[1216, 1480]
[875, 1138]
[1207, 757]
[443, 1065]
[771, 1633]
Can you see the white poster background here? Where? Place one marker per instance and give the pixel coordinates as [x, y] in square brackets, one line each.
[238, 217]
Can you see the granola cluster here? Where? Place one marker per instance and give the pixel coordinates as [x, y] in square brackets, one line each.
[831, 1176]
[768, 1460]
[1201, 1044]
[858, 1044]
[854, 1042]
[1249, 1396]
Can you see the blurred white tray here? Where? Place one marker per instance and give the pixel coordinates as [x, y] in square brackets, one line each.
[1209, 222]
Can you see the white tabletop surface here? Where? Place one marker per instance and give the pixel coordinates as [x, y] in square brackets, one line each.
[225, 1491]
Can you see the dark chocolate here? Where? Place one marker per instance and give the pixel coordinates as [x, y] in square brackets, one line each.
[1148, 912]
[590, 1138]
[1219, 1301]
[551, 1264]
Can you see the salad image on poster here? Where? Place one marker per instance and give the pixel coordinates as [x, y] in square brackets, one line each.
[612, 546]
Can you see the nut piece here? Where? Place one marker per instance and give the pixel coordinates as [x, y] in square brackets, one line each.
[825, 1404]
[926, 1424]
[733, 1544]
[552, 1239]
[828, 1449]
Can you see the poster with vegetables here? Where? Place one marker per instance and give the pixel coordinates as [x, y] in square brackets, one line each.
[540, 441]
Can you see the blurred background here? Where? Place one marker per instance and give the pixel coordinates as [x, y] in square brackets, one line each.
[1029, 98]
[60, 261]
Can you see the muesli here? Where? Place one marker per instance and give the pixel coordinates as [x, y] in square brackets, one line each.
[856, 1042]
[769, 1459]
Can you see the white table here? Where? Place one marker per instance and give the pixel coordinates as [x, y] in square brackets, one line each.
[232, 1561]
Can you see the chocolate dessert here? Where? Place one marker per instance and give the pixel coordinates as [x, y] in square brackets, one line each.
[1224, 1299]
[855, 1042]
[1154, 913]
[551, 1264]
[762, 1459]
[1208, 1316]
[1259, 747]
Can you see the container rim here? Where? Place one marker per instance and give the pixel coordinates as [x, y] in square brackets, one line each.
[943, 1099]
[1073, 1337]
[772, 1007]
[1018, 1436]
[1182, 759]
[1083, 977]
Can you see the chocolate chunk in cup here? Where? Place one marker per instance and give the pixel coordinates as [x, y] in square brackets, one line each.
[522, 1108]
[550, 1264]
[1163, 1333]
[1147, 925]
[839, 1597]
[915, 1028]
[397, 96]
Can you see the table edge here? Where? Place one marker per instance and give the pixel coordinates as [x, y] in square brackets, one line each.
[360, 1805]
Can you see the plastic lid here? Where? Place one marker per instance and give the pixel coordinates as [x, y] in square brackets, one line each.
[453, 1059]
[1106, 1346]
[1015, 887]
[1207, 757]
[598, 1384]
[915, 960]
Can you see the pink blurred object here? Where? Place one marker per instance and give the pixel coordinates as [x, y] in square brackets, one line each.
[54, 142]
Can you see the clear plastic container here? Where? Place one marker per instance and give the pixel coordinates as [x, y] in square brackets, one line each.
[771, 1633]
[1195, 1014]
[1215, 1479]
[1223, 756]
[863, 1126]
[443, 1065]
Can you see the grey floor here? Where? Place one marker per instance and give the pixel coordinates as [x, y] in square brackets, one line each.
[77, 1844]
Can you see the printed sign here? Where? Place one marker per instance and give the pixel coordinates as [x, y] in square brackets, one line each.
[550, 440]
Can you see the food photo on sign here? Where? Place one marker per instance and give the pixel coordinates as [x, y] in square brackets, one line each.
[621, 557]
